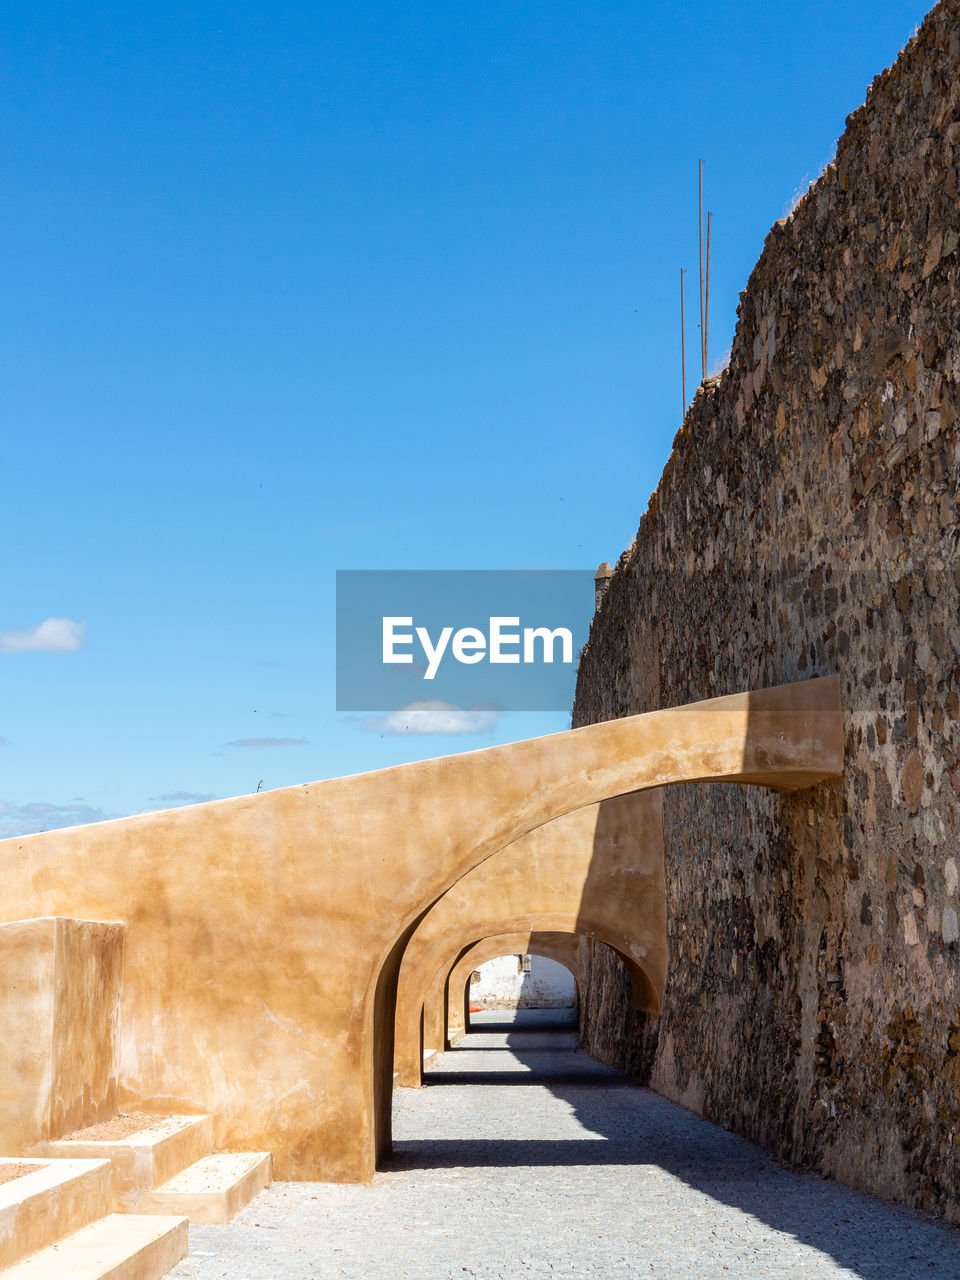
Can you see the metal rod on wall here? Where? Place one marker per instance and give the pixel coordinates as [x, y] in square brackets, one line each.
[706, 305]
[683, 350]
[703, 354]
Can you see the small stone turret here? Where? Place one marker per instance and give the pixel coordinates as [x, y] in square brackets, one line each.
[601, 580]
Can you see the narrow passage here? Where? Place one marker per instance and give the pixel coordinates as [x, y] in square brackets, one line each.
[525, 1158]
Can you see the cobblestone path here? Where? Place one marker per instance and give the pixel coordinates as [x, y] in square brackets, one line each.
[524, 1158]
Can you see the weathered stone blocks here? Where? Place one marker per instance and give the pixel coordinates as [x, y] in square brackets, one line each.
[806, 524]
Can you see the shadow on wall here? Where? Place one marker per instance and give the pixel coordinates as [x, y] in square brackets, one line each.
[553, 945]
[631, 1126]
[545, 984]
[624, 1029]
[629, 1013]
[621, 1036]
[523, 981]
[539, 984]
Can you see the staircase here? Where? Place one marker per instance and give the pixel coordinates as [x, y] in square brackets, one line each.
[55, 1224]
[111, 1199]
[117, 1207]
[168, 1166]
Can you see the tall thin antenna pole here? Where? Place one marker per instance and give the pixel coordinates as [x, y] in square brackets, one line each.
[706, 305]
[703, 352]
[683, 350]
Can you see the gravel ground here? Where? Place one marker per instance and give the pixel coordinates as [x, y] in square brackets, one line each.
[525, 1158]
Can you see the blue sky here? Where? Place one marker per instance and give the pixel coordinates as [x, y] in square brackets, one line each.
[293, 288]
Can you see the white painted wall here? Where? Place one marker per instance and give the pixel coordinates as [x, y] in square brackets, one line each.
[502, 985]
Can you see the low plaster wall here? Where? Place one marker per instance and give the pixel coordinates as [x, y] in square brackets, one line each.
[806, 524]
[59, 1027]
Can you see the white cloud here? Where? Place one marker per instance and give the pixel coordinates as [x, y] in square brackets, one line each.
[268, 742]
[54, 635]
[433, 716]
[173, 799]
[25, 819]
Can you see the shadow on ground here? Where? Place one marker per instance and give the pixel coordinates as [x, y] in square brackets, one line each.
[627, 1125]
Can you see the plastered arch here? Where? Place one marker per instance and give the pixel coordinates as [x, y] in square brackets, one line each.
[445, 1007]
[409, 1075]
[597, 871]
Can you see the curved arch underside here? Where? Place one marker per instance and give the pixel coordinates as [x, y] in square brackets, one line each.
[597, 871]
[263, 932]
[560, 946]
[445, 1011]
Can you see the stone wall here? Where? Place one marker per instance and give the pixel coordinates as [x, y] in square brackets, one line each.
[806, 524]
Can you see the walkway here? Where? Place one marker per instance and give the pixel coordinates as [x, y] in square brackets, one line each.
[526, 1159]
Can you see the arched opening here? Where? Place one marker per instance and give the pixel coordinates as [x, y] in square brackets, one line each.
[508, 995]
[559, 948]
[536, 1052]
[572, 951]
[516, 1068]
[594, 871]
[611, 873]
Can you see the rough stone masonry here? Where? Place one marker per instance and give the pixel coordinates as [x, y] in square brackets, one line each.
[806, 524]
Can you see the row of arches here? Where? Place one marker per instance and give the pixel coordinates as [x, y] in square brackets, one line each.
[277, 945]
[593, 872]
[446, 1014]
[596, 872]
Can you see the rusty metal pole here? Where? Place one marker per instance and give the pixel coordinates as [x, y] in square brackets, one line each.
[683, 350]
[706, 305]
[703, 357]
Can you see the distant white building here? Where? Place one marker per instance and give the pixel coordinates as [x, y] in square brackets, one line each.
[522, 982]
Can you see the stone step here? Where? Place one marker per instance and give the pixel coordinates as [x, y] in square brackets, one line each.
[42, 1207]
[122, 1246]
[214, 1189]
[145, 1159]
